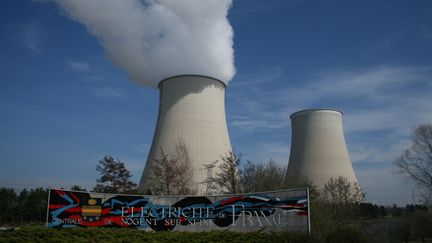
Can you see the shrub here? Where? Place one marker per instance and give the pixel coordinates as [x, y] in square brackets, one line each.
[345, 235]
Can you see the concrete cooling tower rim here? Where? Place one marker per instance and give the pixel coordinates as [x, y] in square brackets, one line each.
[308, 111]
[190, 75]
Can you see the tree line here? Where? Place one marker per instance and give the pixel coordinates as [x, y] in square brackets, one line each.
[28, 206]
[172, 175]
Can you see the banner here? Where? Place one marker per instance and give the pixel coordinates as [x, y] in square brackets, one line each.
[286, 210]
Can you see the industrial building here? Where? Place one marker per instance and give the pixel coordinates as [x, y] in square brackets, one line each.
[318, 149]
[191, 109]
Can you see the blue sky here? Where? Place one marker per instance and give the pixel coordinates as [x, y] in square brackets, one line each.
[63, 105]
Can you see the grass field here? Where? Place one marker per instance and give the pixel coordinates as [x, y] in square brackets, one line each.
[42, 234]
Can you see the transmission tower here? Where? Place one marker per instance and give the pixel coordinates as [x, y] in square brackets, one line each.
[210, 179]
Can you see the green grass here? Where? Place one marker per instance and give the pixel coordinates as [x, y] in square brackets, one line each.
[42, 234]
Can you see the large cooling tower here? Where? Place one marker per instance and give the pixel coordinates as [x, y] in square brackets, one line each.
[191, 109]
[318, 149]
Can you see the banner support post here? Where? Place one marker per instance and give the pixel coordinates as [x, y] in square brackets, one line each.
[309, 211]
[48, 203]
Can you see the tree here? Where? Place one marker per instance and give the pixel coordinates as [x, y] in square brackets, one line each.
[395, 211]
[262, 177]
[338, 200]
[340, 192]
[184, 182]
[8, 202]
[368, 210]
[114, 176]
[382, 211]
[172, 175]
[163, 174]
[342, 196]
[78, 188]
[228, 179]
[299, 181]
[23, 210]
[29, 207]
[416, 162]
[37, 204]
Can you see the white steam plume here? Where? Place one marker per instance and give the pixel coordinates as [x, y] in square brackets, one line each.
[155, 39]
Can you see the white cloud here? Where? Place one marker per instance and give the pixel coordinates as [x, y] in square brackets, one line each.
[384, 186]
[259, 152]
[276, 148]
[364, 152]
[261, 78]
[79, 66]
[30, 35]
[381, 99]
[277, 151]
[253, 103]
[107, 92]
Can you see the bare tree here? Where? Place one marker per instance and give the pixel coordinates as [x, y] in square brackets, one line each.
[163, 174]
[299, 181]
[184, 182]
[260, 177]
[343, 197]
[416, 162]
[172, 175]
[248, 177]
[340, 191]
[228, 179]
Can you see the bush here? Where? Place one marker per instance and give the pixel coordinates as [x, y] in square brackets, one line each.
[421, 223]
[345, 235]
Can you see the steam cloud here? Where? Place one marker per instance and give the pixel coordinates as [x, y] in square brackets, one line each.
[155, 39]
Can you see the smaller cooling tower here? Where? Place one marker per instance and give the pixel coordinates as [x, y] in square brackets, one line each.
[318, 149]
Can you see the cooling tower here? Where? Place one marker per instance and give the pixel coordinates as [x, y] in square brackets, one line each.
[191, 110]
[318, 149]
